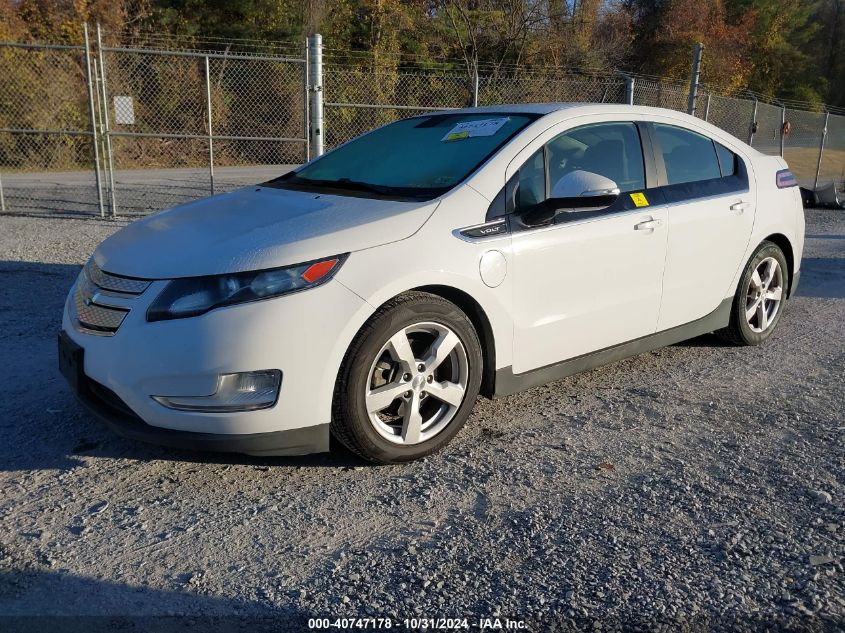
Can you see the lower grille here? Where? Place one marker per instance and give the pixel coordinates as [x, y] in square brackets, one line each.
[110, 399]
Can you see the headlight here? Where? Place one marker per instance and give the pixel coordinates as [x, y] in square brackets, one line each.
[193, 296]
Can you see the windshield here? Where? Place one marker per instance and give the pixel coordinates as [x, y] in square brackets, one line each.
[421, 157]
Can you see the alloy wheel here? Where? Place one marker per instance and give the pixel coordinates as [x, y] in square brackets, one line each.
[764, 295]
[417, 383]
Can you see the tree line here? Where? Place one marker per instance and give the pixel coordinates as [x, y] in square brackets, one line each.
[789, 49]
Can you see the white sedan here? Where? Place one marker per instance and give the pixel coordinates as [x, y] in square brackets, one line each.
[373, 293]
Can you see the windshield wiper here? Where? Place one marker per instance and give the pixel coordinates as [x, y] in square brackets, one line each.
[365, 186]
[341, 183]
[292, 178]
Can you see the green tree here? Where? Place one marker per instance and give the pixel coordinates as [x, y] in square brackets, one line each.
[783, 32]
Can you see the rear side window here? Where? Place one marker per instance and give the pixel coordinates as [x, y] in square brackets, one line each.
[689, 157]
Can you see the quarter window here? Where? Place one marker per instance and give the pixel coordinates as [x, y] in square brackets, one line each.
[688, 156]
[727, 160]
[532, 181]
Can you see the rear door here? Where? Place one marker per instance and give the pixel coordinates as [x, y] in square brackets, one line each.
[710, 200]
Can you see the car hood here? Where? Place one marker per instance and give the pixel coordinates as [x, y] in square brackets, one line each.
[255, 228]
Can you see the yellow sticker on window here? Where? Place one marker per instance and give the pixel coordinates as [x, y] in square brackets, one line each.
[457, 136]
[639, 199]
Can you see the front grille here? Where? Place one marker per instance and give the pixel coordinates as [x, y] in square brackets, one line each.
[93, 311]
[96, 317]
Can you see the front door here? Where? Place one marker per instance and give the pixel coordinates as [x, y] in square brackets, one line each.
[586, 281]
[583, 287]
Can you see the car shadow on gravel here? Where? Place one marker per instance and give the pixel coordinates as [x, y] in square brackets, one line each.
[33, 600]
[118, 447]
[706, 340]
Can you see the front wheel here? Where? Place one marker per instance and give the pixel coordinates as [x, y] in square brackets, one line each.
[760, 297]
[408, 381]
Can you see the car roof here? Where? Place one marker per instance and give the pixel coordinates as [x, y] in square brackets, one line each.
[569, 107]
[565, 110]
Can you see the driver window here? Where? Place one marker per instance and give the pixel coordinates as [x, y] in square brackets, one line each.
[612, 150]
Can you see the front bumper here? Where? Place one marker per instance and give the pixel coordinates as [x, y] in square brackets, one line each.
[305, 335]
[108, 406]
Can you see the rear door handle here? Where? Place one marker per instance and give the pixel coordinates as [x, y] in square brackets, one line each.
[648, 225]
[740, 206]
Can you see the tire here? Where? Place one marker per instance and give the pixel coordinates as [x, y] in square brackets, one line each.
[426, 406]
[758, 298]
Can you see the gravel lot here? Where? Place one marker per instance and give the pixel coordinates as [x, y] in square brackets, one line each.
[696, 487]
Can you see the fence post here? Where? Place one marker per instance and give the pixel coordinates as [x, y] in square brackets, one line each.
[696, 72]
[475, 85]
[210, 134]
[629, 89]
[306, 115]
[106, 130]
[90, 80]
[2, 197]
[315, 86]
[782, 126]
[707, 109]
[821, 150]
[752, 127]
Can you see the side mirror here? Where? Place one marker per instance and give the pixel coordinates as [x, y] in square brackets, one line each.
[576, 191]
[584, 184]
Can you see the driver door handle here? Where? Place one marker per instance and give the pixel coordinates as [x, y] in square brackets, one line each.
[740, 206]
[648, 225]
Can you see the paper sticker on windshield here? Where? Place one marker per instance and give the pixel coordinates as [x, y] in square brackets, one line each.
[471, 129]
[639, 200]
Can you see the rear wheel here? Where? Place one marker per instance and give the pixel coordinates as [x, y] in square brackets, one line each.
[760, 297]
[409, 380]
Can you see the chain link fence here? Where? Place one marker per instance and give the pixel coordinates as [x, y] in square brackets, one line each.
[801, 145]
[358, 100]
[658, 94]
[185, 125]
[91, 129]
[46, 134]
[832, 165]
[735, 116]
